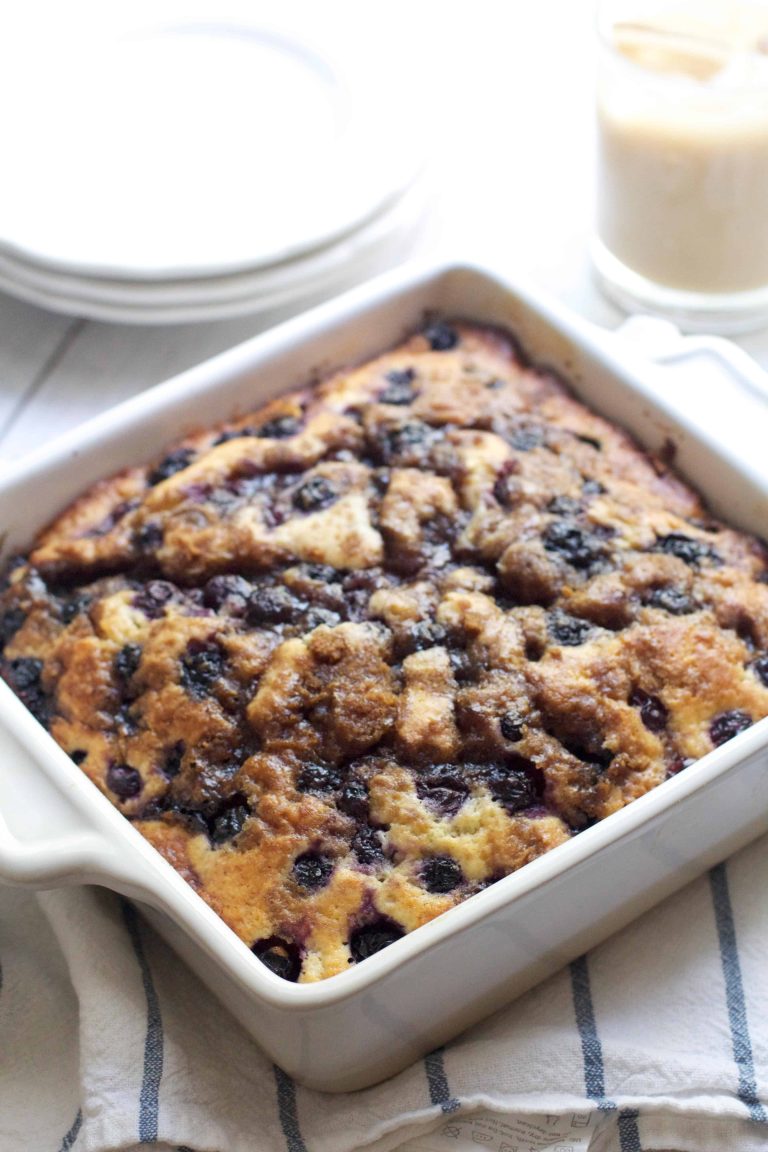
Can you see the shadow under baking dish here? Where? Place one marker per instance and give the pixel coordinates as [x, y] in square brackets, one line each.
[353, 1029]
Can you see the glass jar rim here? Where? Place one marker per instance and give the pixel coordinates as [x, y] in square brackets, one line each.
[607, 20]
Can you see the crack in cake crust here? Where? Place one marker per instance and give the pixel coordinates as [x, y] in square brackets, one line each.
[359, 654]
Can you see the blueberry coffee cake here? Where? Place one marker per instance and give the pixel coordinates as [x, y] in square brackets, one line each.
[351, 658]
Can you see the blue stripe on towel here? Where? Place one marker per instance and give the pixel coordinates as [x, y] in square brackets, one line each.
[734, 994]
[153, 1044]
[629, 1134]
[286, 1107]
[439, 1092]
[71, 1136]
[592, 1052]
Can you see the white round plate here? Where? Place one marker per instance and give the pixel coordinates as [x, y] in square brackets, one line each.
[270, 281]
[379, 245]
[189, 149]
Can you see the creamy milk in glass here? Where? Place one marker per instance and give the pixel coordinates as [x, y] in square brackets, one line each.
[683, 158]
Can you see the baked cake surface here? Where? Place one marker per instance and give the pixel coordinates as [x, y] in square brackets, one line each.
[353, 657]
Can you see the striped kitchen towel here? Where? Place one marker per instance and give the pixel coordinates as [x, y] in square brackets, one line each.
[657, 1039]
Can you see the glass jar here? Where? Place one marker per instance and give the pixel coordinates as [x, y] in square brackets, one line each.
[682, 106]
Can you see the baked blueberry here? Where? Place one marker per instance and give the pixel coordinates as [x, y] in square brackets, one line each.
[322, 573]
[229, 822]
[10, 565]
[671, 599]
[371, 938]
[380, 479]
[441, 874]
[172, 763]
[444, 789]
[153, 598]
[354, 799]
[525, 438]
[760, 668]
[653, 712]
[441, 336]
[318, 778]
[569, 630]
[71, 608]
[201, 666]
[367, 846]
[678, 764]
[511, 725]
[592, 487]
[10, 623]
[729, 724]
[273, 605]
[418, 637]
[227, 593]
[234, 434]
[399, 388]
[747, 631]
[312, 870]
[127, 661]
[124, 780]
[148, 537]
[462, 665]
[402, 439]
[281, 957]
[314, 494]
[316, 617]
[79, 756]
[685, 548]
[589, 748]
[280, 428]
[575, 545]
[171, 464]
[513, 785]
[192, 818]
[564, 506]
[25, 672]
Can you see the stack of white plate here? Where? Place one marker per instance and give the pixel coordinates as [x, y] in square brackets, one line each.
[186, 171]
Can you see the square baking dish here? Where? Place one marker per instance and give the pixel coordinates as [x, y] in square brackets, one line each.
[354, 1029]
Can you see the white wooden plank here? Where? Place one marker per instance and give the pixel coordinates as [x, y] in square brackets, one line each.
[105, 364]
[29, 340]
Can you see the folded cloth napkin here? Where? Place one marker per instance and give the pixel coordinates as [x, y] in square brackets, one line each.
[656, 1040]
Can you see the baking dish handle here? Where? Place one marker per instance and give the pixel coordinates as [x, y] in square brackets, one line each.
[663, 343]
[49, 863]
[78, 856]
[45, 840]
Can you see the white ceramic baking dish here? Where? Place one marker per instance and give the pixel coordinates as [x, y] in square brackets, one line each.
[363, 1025]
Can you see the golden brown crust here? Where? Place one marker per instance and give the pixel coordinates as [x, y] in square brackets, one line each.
[360, 653]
